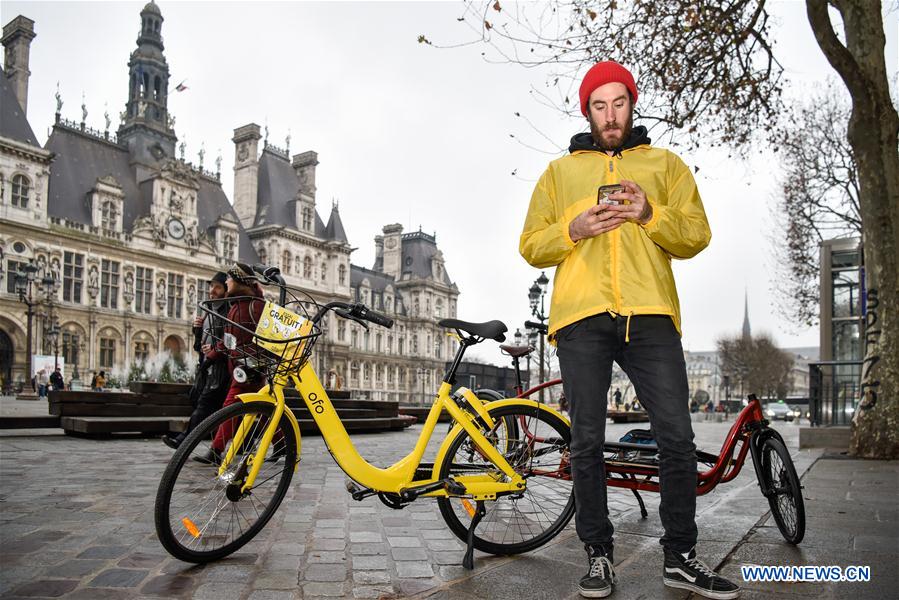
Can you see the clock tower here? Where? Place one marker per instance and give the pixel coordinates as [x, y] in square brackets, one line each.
[146, 127]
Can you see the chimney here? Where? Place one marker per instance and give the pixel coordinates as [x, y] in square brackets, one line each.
[304, 164]
[379, 253]
[17, 36]
[246, 172]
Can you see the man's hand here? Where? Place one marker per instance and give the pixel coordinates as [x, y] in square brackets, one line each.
[594, 221]
[205, 348]
[639, 210]
[198, 321]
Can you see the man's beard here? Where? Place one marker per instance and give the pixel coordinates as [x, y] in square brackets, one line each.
[596, 133]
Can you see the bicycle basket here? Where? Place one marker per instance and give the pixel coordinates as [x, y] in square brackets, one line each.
[269, 342]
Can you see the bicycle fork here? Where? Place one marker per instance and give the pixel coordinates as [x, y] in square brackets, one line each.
[255, 460]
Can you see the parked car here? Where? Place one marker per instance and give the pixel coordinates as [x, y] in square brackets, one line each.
[780, 411]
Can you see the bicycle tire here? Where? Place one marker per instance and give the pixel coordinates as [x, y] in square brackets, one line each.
[546, 507]
[189, 527]
[787, 505]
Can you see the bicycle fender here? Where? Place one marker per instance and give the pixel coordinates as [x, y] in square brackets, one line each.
[444, 446]
[257, 397]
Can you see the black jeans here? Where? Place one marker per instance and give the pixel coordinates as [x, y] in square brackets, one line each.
[653, 360]
[209, 400]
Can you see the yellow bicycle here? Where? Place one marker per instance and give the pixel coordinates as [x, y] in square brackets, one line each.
[501, 476]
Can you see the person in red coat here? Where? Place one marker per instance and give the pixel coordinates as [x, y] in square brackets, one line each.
[238, 345]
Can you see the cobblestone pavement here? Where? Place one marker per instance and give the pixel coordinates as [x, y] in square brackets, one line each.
[76, 521]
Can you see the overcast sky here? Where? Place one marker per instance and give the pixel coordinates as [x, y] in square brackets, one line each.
[410, 134]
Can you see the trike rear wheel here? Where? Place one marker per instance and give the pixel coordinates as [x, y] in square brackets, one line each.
[535, 442]
[785, 499]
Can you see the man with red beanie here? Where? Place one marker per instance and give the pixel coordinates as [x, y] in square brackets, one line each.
[614, 300]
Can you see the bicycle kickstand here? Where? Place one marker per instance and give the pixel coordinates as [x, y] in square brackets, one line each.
[468, 559]
[643, 513]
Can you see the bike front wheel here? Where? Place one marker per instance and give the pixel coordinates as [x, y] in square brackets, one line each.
[202, 515]
[536, 443]
[787, 505]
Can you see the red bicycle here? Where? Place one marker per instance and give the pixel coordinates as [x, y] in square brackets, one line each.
[634, 465]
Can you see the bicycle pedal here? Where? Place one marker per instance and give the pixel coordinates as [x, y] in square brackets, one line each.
[454, 487]
[357, 491]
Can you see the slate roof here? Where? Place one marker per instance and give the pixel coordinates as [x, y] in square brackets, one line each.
[378, 281]
[334, 230]
[418, 250]
[13, 122]
[275, 198]
[82, 158]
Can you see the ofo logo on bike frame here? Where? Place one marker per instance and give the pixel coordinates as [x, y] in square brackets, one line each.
[806, 573]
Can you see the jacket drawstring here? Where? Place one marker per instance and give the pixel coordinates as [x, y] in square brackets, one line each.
[627, 328]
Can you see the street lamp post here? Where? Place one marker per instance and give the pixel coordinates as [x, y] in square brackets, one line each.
[536, 296]
[53, 336]
[24, 285]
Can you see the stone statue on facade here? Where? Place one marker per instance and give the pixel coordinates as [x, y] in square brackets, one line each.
[83, 110]
[58, 100]
[201, 154]
[182, 148]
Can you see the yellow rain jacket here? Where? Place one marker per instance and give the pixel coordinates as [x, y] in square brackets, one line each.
[626, 271]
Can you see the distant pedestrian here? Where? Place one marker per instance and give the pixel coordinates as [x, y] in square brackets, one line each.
[101, 381]
[42, 382]
[56, 381]
[93, 381]
[617, 396]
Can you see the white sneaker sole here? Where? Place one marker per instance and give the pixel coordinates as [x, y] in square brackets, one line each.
[683, 585]
[594, 593]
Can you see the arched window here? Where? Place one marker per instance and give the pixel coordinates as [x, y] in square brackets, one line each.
[263, 255]
[307, 267]
[286, 260]
[21, 191]
[324, 272]
[341, 274]
[109, 216]
[307, 219]
[157, 85]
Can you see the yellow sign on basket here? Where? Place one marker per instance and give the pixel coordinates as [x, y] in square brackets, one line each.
[279, 323]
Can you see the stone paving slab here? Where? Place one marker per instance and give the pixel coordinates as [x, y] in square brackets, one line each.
[76, 521]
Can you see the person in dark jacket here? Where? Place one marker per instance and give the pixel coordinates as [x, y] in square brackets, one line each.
[56, 381]
[213, 376]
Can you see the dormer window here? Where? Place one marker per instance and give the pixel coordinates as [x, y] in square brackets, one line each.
[229, 245]
[307, 219]
[109, 216]
[21, 191]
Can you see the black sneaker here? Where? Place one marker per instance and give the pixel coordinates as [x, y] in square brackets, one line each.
[598, 581]
[687, 572]
[171, 442]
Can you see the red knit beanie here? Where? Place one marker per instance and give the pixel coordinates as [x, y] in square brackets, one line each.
[602, 73]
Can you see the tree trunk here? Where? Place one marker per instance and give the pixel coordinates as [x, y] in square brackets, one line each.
[873, 134]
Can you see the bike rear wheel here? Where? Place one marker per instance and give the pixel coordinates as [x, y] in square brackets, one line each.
[787, 505]
[202, 516]
[535, 442]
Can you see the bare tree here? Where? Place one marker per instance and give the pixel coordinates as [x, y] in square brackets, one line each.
[818, 196]
[709, 71]
[757, 364]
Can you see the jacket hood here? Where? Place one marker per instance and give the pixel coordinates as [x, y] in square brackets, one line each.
[584, 140]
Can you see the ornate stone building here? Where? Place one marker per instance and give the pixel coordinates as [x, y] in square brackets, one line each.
[123, 233]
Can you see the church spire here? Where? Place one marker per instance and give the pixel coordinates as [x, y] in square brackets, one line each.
[747, 333]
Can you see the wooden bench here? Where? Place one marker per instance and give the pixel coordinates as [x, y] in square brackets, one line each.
[157, 408]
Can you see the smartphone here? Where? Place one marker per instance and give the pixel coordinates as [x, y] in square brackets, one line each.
[602, 195]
